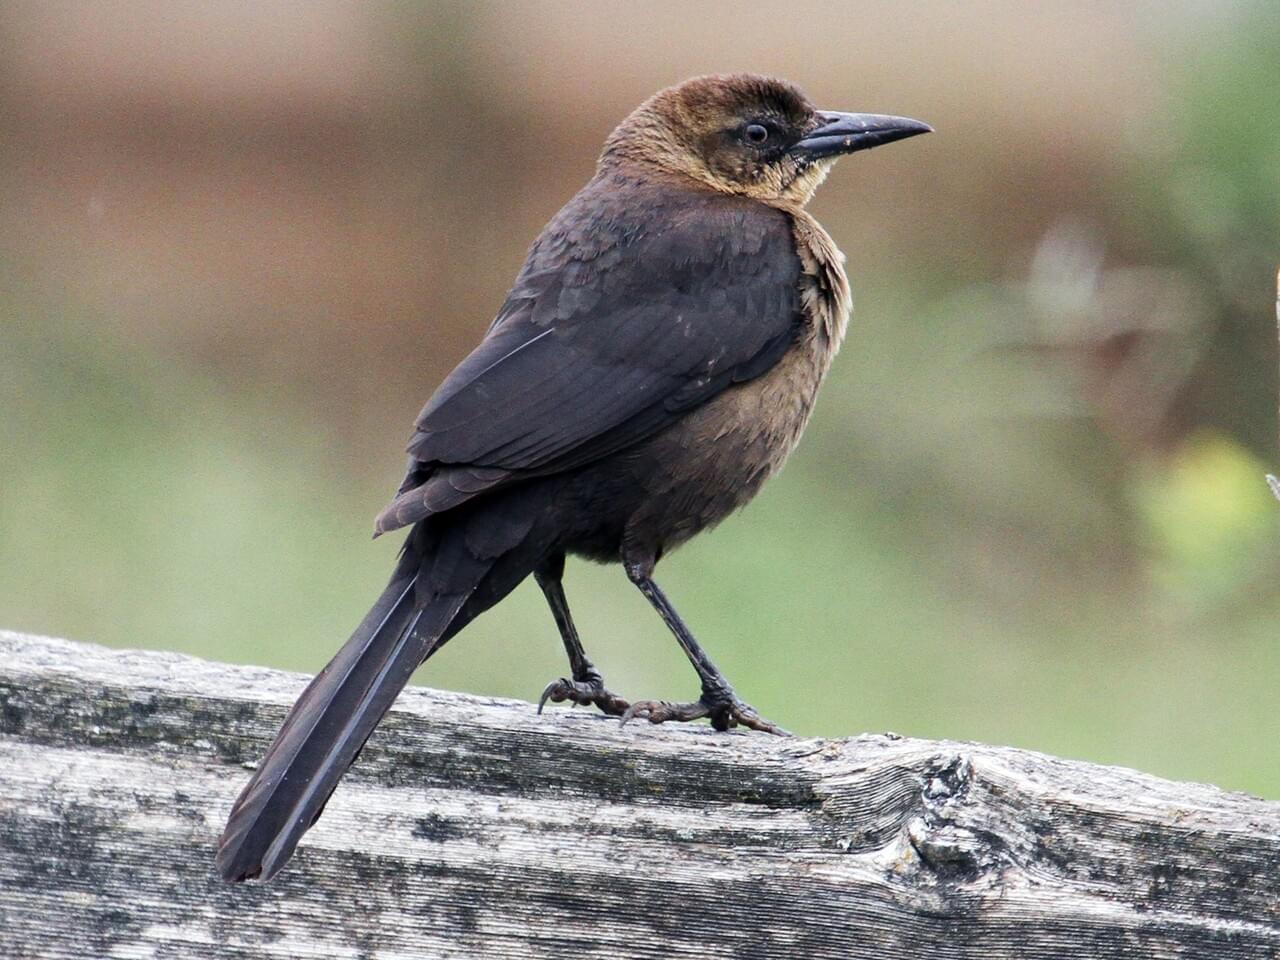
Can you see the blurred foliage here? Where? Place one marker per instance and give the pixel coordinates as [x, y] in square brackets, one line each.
[1029, 509]
[1212, 525]
[1214, 211]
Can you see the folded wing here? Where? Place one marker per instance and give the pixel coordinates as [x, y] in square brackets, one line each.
[621, 320]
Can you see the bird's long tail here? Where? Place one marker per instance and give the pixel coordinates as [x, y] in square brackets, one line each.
[330, 723]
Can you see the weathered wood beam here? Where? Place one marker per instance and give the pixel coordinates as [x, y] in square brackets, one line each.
[472, 827]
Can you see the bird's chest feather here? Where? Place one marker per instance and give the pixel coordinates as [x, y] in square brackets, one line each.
[718, 457]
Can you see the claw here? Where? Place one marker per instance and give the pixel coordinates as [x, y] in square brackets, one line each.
[547, 691]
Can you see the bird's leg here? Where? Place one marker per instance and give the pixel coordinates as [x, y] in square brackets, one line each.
[586, 685]
[718, 701]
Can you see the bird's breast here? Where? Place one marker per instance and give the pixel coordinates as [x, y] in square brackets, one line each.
[713, 461]
[717, 457]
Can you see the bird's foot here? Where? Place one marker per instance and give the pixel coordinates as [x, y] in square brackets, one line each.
[721, 707]
[584, 691]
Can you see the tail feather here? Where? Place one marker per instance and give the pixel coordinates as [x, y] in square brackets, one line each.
[328, 726]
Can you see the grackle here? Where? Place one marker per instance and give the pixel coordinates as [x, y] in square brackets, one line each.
[655, 362]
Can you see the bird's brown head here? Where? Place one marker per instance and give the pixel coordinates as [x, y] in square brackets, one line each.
[747, 134]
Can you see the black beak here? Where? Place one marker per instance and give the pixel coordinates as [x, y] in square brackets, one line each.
[842, 133]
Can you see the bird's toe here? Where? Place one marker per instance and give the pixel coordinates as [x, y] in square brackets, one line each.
[584, 693]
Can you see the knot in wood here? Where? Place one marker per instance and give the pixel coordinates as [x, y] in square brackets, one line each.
[953, 850]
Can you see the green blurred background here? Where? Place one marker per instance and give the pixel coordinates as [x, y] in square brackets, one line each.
[240, 243]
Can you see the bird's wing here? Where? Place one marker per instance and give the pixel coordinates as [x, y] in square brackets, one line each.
[612, 332]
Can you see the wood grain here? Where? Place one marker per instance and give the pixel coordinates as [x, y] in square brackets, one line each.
[472, 827]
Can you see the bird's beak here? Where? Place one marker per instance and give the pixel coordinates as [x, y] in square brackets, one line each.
[842, 133]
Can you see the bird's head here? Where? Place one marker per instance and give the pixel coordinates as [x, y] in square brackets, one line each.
[749, 135]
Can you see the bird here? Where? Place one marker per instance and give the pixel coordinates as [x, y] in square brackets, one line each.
[654, 363]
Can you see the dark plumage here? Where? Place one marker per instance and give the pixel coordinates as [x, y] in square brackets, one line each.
[654, 363]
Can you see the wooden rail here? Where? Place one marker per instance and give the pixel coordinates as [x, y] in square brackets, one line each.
[472, 827]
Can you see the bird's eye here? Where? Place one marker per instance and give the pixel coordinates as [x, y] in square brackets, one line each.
[756, 133]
